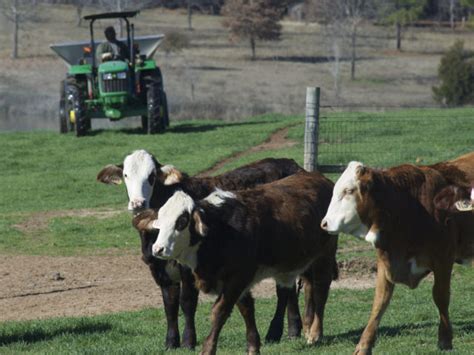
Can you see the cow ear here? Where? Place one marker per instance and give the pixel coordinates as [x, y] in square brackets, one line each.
[170, 175]
[111, 174]
[199, 224]
[145, 221]
[365, 178]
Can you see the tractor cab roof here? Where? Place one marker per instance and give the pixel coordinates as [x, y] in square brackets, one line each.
[111, 15]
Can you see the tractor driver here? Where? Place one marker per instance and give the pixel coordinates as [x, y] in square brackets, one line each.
[112, 49]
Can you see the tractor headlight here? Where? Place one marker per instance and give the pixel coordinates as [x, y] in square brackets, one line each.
[107, 76]
[122, 75]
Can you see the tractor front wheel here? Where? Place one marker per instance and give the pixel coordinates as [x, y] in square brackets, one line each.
[156, 119]
[76, 111]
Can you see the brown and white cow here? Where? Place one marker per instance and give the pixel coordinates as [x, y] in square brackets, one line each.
[232, 240]
[151, 184]
[458, 171]
[394, 210]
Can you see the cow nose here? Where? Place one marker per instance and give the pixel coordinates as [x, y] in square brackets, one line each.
[158, 252]
[324, 224]
[138, 204]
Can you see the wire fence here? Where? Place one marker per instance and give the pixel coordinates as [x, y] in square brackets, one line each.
[392, 137]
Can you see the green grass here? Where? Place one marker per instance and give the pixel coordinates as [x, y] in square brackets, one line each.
[44, 172]
[409, 326]
[48, 171]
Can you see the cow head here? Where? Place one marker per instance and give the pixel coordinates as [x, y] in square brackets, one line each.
[350, 190]
[141, 172]
[180, 226]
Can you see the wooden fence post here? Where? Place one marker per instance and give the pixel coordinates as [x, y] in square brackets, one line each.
[311, 129]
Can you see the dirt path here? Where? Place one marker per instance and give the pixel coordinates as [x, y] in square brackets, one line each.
[34, 287]
[277, 140]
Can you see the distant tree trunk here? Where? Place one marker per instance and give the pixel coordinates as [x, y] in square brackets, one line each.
[451, 14]
[79, 14]
[399, 36]
[353, 55]
[119, 21]
[16, 24]
[252, 46]
[190, 15]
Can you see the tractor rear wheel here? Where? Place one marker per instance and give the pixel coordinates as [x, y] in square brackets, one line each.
[166, 117]
[156, 119]
[63, 121]
[76, 110]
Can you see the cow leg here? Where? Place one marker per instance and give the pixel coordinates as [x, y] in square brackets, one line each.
[275, 331]
[383, 294]
[308, 307]
[293, 314]
[247, 308]
[171, 303]
[320, 296]
[220, 312]
[188, 301]
[441, 293]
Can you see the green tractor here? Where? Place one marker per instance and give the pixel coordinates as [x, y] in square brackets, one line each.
[112, 89]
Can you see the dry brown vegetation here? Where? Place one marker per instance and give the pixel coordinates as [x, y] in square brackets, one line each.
[214, 78]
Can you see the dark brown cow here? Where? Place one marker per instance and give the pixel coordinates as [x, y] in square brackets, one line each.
[394, 210]
[232, 240]
[150, 184]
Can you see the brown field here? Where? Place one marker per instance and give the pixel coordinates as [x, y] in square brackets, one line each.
[214, 78]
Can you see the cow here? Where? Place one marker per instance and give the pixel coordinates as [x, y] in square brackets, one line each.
[458, 171]
[394, 210]
[232, 240]
[151, 184]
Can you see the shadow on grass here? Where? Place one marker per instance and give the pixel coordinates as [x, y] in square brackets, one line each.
[308, 59]
[354, 335]
[181, 128]
[39, 335]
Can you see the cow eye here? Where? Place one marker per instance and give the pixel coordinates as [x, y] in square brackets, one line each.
[125, 176]
[349, 191]
[151, 178]
[182, 221]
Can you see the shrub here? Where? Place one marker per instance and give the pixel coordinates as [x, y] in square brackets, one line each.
[456, 73]
[174, 42]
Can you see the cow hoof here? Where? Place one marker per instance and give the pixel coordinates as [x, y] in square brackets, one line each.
[274, 335]
[362, 350]
[311, 340]
[445, 345]
[294, 331]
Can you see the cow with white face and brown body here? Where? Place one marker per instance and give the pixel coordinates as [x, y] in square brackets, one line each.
[232, 240]
[394, 210]
[149, 185]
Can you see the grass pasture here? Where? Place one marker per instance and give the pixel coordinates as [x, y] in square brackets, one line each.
[48, 189]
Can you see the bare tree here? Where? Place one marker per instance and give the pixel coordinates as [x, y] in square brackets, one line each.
[17, 12]
[253, 20]
[400, 13]
[343, 18]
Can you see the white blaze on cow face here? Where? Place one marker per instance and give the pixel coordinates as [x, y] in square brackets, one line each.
[139, 173]
[174, 238]
[342, 216]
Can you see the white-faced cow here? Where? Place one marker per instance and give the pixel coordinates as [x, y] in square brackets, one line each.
[232, 240]
[394, 210]
[150, 184]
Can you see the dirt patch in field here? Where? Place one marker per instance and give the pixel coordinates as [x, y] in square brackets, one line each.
[278, 140]
[36, 287]
[40, 220]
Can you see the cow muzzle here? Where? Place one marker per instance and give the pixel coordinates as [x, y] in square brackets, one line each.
[137, 204]
[325, 226]
[161, 252]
